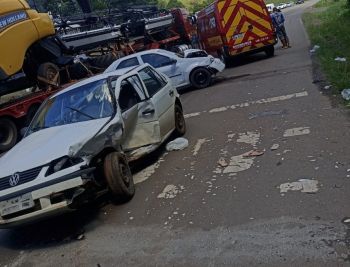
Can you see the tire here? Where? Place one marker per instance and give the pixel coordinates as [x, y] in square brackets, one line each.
[270, 51]
[103, 62]
[8, 134]
[118, 176]
[200, 78]
[180, 123]
[49, 72]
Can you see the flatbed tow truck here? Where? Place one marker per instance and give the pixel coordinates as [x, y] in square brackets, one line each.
[148, 28]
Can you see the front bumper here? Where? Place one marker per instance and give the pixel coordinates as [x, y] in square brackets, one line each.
[42, 195]
[217, 65]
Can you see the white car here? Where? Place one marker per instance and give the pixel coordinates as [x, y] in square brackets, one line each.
[81, 141]
[183, 69]
[281, 6]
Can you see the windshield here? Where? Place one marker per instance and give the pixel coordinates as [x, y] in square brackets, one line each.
[88, 102]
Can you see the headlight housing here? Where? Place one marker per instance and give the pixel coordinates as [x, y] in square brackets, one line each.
[62, 163]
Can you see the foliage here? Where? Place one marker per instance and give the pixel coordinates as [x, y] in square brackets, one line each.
[328, 26]
[174, 3]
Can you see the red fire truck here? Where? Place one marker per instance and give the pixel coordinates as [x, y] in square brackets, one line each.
[228, 28]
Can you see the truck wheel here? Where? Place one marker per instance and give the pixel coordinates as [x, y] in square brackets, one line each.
[200, 78]
[48, 75]
[8, 134]
[180, 123]
[270, 51]
[119, 177]
[102, 62]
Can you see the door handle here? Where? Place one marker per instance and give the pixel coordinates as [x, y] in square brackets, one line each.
[171, 92]
[148, 112]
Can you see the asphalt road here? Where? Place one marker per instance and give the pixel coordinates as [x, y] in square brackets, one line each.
[208, 205]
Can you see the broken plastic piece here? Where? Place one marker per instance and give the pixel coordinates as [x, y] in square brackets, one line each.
[275, 147]
[340, 59]
[222, 162]
[253, 153]
[346, 94]
[313, 50]
[177, 144]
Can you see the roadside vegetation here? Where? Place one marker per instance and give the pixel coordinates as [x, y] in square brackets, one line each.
[328, 26]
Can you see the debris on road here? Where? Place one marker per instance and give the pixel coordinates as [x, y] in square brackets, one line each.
[314, 49]
[253, 153]
[340, 59]
[303, 185]
[80, 237]
[346, 94]
[296, 131]
[251, 138]
[275, 147]
[198, 145]
[222, 162]
[327, 87]
[170, 191]
[177, 144]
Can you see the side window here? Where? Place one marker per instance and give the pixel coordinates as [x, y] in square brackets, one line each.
[131, 62]
[156, 61]
[151, 80]
[128, 96]
[136, 83]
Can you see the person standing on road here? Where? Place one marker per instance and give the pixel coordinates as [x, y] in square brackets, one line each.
[278, 23]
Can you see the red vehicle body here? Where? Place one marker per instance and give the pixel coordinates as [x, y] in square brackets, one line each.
[228, 28]
[16, 114]
[183, 24]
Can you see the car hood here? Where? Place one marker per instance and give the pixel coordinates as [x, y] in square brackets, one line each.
[42, 147]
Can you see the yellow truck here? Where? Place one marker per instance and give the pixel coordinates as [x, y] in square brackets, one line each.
[21, 30]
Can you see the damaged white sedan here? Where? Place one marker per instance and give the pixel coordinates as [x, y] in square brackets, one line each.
[80, 142]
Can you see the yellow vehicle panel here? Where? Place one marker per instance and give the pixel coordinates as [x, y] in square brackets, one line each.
[19, 29]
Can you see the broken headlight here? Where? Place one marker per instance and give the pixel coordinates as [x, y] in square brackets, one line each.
[62, 163]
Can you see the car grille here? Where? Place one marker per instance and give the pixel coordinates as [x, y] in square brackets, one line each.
[24, 177]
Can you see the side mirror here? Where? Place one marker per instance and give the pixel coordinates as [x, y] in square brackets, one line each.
[173, 61]
[23, 131]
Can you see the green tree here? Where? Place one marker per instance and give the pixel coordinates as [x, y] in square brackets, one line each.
[174, 3]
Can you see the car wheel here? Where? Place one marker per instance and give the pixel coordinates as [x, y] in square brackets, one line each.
[200, 78]
[180, 123]
[8, 134]
[270, 51]
[48, 75]
[119, 177]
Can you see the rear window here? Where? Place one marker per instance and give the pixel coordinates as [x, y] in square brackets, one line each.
[131, 62]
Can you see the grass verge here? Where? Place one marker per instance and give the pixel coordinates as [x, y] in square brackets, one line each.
[328, 25]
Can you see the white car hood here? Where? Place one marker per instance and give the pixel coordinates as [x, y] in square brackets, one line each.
[42, 147]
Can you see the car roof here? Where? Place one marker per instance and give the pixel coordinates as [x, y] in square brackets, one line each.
[145, 52]
[98, 77]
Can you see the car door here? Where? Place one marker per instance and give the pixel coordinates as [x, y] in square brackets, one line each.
[167, 65]
[162, 94]
[140, 121]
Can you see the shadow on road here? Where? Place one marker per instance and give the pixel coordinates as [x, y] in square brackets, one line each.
[54, 231]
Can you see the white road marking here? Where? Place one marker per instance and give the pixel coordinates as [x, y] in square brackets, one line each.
[238, 164]
[251, 138]
[147, 172]
[198, 145]
[170, 191]
[303, 185]
[249, 103]
[296, 131]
